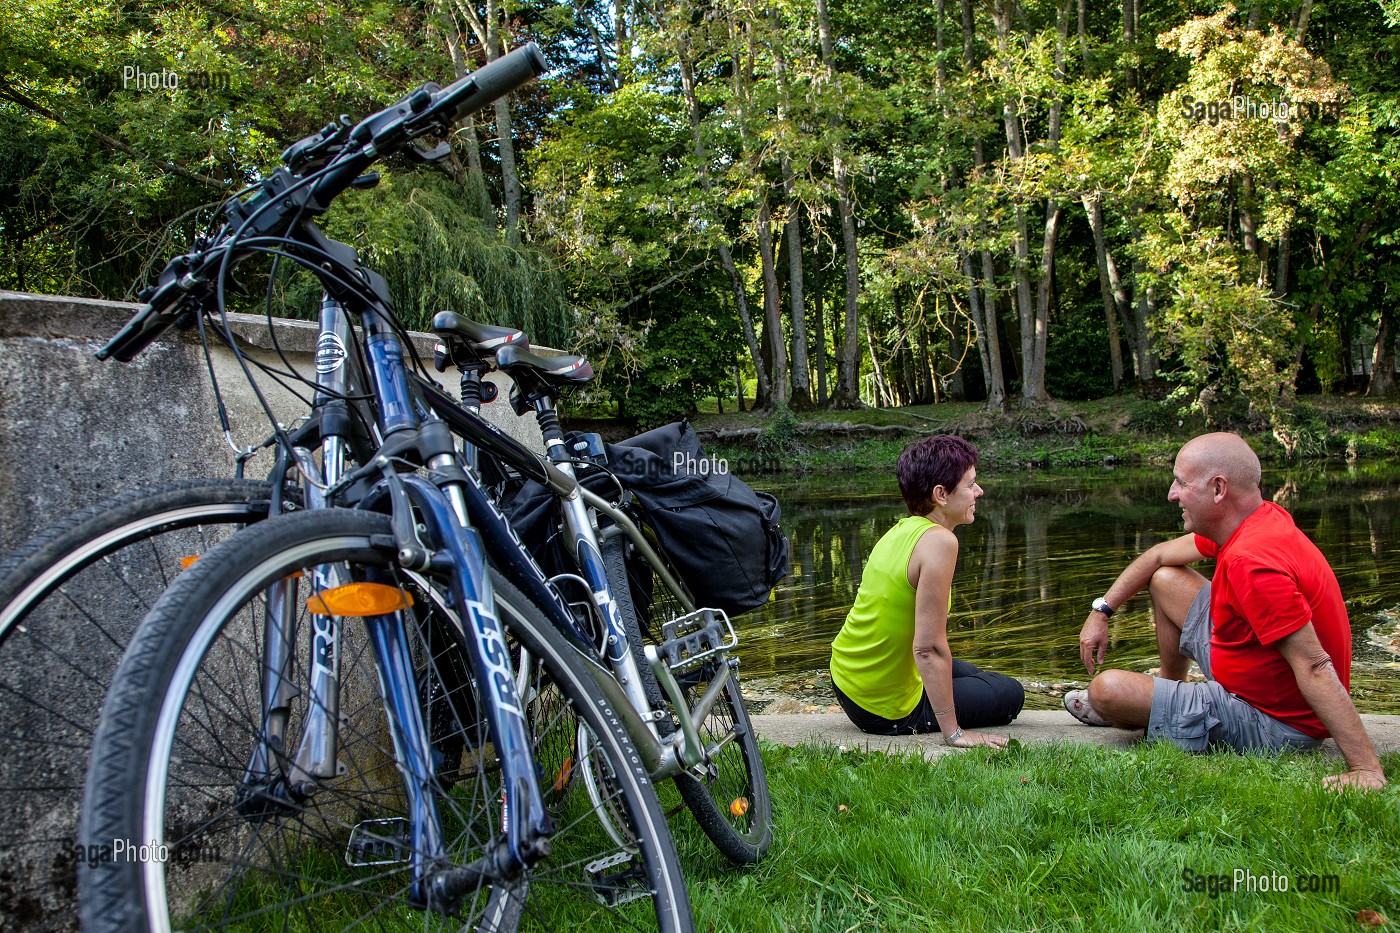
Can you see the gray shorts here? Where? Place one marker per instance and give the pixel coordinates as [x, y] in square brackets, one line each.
[1198, 716]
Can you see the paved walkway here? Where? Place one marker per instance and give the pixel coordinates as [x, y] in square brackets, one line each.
[1034, 726]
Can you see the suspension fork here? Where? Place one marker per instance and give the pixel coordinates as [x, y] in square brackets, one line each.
[316, 757]
[475, 626]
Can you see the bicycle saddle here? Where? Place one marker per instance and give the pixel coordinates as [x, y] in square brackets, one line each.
[468, 343]
[482, 336]
[542, 375]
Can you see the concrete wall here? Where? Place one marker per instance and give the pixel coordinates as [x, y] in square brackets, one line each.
[74, 430]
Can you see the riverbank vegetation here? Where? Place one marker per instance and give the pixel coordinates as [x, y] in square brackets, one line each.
[891, 203]
[1061, 837]
[1119, 429]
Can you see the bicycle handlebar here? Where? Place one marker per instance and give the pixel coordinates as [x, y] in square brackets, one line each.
[429, 108]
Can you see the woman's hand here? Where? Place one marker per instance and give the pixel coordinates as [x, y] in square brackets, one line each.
[973, 739]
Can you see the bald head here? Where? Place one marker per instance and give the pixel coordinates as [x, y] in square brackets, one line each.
[1226, 455]
[1216, 483]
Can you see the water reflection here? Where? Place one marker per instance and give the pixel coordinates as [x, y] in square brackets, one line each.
[1042, 547]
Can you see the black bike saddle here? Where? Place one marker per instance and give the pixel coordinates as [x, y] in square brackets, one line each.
[482, 336]
[469, 343]
[542, 375]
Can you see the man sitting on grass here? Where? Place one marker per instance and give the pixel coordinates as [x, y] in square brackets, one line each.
[1269, 632]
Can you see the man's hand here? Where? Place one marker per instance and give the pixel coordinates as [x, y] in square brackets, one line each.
[1318, 683]
[1358, 778]
[1093, 641]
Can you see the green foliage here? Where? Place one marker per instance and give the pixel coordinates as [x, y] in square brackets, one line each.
[100, 183]
[418, 231]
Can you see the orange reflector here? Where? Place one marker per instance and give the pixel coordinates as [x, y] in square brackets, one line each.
[566, 771]
[187, 562]
[359, 599]
[739, 806]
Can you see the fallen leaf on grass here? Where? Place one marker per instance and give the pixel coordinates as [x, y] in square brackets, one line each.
[1371, 918]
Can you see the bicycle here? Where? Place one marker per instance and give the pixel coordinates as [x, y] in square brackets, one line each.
[418, 543]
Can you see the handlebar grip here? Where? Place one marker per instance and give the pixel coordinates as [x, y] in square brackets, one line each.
[154, 318]
[491, 82]
[138, 334]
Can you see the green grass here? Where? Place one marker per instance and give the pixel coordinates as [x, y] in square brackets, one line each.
[1052, 838]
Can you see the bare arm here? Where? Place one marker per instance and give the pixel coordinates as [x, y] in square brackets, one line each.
[1093, 637]
[1318, 682]
[931, 573]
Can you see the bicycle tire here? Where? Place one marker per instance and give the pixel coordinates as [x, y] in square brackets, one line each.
[729, 795]
[69, 599]
[177, 691]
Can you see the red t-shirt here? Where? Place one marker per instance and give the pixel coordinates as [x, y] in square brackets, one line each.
[1270, 581]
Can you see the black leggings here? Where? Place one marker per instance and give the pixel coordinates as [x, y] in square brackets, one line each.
[981, 698]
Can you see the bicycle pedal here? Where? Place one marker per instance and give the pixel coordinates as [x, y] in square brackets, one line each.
[620, 887]
[691, 639]
[379, 842]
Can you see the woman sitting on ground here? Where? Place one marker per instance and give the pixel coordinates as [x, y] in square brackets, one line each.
[890, 662]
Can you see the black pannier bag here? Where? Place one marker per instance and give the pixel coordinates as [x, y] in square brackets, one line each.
[722, 536]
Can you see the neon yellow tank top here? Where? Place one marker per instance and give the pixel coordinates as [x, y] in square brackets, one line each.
[872, 657]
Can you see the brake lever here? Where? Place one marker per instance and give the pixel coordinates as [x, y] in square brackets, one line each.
[438, 155]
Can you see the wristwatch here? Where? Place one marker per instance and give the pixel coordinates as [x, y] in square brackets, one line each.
[1101, 605]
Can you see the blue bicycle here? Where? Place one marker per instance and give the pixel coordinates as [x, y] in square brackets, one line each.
[370, 716]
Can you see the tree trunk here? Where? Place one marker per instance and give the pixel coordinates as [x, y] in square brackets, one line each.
[801, 397]
[1016, 150]
[1130, 21]
[1033, 388]
[1300, 26]
[819, 324]
[1034, 385]
[996, 391]
[1282, 261]
[1110, 303]
[847, 393]
[974, 303]
[995, 377]
[772, 314]
[1025, 306]
[1144, 309]
[928, 373]
[475, 181]
[726, 257]
[1383, 356]
[505, 139]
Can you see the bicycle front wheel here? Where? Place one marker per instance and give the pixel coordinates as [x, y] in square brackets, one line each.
[69, 600]
[170, 766]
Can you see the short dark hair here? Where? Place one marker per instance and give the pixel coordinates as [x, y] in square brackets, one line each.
[940, 460]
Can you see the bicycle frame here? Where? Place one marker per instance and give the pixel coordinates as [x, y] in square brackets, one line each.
[620, 680]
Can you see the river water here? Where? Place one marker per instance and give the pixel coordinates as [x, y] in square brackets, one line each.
[1042, 547]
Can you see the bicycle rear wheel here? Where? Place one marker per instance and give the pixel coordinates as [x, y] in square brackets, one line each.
[184, 716]
[69, 600]
[728, 791]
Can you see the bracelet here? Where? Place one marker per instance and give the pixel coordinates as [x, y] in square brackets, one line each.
[952, 737]
[943, 712]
